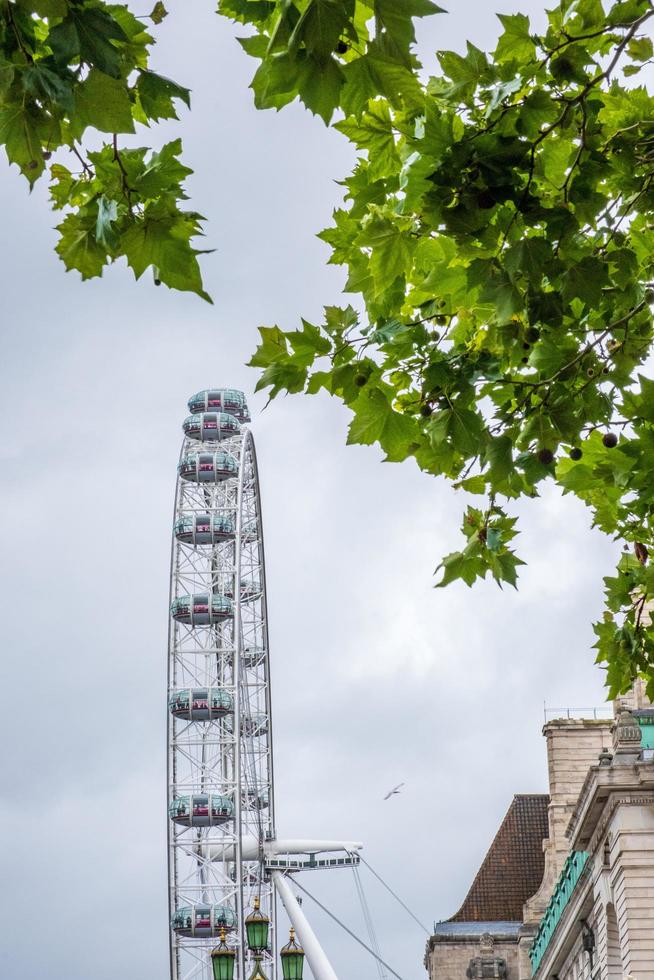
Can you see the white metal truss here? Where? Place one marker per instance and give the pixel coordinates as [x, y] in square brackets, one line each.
[220, 770]
[222, 847]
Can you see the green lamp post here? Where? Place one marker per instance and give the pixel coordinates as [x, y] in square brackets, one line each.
[292, 959]
[257, 925]
[257, 973]
[223, 960]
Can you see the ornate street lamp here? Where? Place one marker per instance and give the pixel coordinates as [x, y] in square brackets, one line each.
[257, 973]
[257, 925]
[292, 959]
[223, 960]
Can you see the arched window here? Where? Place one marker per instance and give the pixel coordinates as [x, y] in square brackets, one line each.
[614, 967]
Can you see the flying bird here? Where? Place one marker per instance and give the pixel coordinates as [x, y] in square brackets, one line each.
[391, 792]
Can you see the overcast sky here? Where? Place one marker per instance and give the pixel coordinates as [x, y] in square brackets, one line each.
[377, 677]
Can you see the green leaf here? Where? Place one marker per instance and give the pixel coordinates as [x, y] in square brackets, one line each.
[163, 242]
[96, 30]
[48, 86]
[529, 258]
[465, 428]
[626, 11]
[394, 81]
[282, 377]
[585, 280]
[498, 290]
[391, 246]
[473, 484]
[319, 86]
[64, 41]
[554, 159]
[276, 81]
[308, 343]
[640, 48]
[88, 32]
[505, 568]
[158, 12]
[78, 247]
[460, 565]
[157, 93]
[272, 349]
[515, 43]
[247, 11]
[22, 129]
[549, 356]
[395, 18]
[375, 421]
[465, 73]
[499, 456]
[361, 84]
[641, 404]
[103, 103]
[44, 8]
[321, 24]
[374, 133]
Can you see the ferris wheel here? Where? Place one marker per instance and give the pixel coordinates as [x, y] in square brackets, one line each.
[226, 865]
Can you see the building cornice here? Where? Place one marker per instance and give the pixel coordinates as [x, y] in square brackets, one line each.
[467, 938]
[621, 784]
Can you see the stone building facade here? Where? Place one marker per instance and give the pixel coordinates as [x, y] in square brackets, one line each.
[566, 890]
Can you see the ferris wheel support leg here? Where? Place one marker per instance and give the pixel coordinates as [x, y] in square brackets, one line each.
[320, 965]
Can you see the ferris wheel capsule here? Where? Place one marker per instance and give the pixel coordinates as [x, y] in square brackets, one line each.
[211, 426]
[201, 809]
[200, 703]
[201, 609]
[201, 529]
[208, 467]
[203, 920]
[220, 399]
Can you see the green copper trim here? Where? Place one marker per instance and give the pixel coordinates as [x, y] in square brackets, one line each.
[647, 732]
[573, 870]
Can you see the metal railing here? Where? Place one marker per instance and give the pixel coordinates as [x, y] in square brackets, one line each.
[605, 712]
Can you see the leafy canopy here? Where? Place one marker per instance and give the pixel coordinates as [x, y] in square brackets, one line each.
[70, 69]
[498, 231]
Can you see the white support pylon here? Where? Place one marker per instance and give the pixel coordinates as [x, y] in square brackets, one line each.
[320, 965]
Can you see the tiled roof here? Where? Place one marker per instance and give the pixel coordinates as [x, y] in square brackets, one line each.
[512, 870]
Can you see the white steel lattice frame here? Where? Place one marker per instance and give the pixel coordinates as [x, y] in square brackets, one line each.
[211, 756]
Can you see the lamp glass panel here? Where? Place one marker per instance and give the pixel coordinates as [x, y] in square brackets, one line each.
[257, 932]
[223, 967]
[292, 966]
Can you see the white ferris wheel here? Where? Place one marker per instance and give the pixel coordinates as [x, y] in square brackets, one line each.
[226, 865]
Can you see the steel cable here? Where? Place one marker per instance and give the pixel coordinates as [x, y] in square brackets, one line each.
[396, 897]
[348, 931]
[367, 918]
